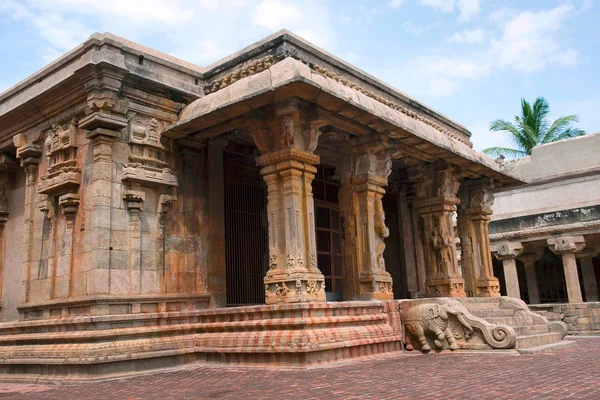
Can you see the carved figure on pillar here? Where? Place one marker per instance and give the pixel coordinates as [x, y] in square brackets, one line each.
[286, 142]
[472, 224]
[436, 186]
[365, 177]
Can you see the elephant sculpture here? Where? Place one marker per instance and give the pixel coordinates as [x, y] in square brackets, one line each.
[422, 319]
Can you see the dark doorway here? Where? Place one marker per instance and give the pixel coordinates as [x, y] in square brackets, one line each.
[328, 230]
[393, 255]
[246, 234]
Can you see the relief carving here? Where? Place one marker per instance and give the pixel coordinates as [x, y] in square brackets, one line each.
[448, 323]
[63, 175]
[148, 158]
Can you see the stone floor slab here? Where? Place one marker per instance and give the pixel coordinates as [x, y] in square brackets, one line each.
[568, 373]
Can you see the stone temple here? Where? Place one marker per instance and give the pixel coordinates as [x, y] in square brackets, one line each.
[278, 207]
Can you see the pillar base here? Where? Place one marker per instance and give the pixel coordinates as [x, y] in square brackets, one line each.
[487, 287]
[445, 287]
[294, 286]
[375, 286]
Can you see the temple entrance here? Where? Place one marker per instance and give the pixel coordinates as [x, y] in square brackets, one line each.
[328, 230]
[246, 234]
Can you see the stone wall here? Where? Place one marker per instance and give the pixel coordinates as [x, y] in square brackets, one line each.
[581, 318]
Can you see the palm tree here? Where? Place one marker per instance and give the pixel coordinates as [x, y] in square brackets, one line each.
[532, 128]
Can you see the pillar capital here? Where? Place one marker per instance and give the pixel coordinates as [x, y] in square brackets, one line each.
[477, 198]
[29, 150]
[436, 186]
[566, 244]
[290, 125]
[507, 250]
[530, 257]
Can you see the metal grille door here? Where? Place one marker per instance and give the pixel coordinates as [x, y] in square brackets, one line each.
[328, 227]
[246, 234]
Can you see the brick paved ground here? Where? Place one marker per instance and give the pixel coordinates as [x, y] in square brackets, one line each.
[572, 373]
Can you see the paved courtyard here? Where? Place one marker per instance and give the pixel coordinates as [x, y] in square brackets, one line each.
[570, 373]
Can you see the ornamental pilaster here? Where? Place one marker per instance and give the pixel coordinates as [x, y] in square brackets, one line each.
[507, 252]
[363, 183]
[29, 152]
[436, 186]
[476, 199]
[287, 141]
[567, 247]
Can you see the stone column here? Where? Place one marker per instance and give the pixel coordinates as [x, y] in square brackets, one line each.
[588, 275]
[287, 143]
[472, 224]
[567, 246]
[365, 177]
[529, 260]
[134, 200]
[29, 152]
[507, 252]
[104, 120]
[436, 186]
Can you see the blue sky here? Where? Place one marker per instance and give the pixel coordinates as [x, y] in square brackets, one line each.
[472, 60]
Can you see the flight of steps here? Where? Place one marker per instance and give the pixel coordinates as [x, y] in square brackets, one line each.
[535, 334]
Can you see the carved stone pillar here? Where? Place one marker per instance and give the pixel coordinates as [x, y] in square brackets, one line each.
[529, 260]
[507, 252]
[287, 143]
[567, 246]
[436, 186]
[365, 232]
[29, 152]
[587, 273]
[474, 212]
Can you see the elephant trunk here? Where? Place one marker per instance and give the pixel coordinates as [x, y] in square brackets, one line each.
[461, 318]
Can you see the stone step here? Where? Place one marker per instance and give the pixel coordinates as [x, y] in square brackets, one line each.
[528, 341]
[235, 315]
[127, 332]
[519, 320]
[546, 348]
[530, 330]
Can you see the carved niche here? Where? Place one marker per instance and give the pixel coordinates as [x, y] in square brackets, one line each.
[63, 175]
[148, 158]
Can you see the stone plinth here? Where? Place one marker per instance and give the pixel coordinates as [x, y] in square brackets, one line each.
[294, 335]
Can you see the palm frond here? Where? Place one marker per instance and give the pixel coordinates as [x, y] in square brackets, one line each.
[558, 127]
[541, 109]
[569, 134]
[498, 151]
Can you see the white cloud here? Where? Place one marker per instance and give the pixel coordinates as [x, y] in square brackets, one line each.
[528, 40]
[200, 31]
[418, 30]
[274, 14]
[466, 8]
[395, 3]
[468, 36]
[445, 6]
